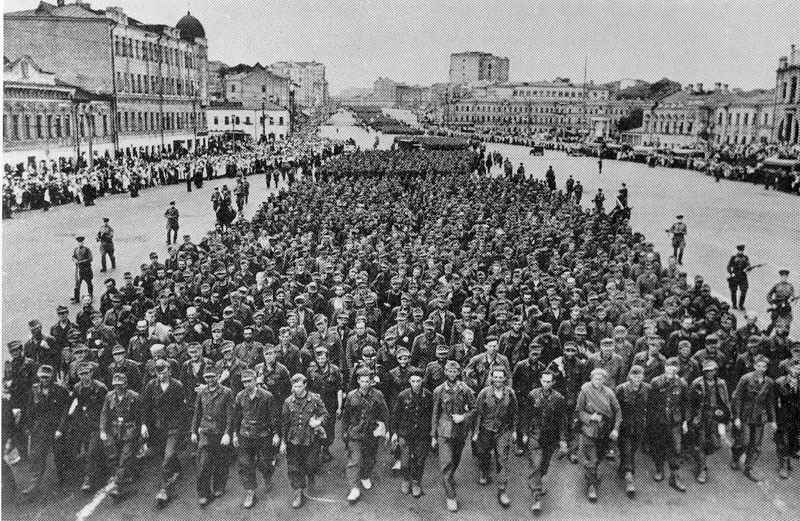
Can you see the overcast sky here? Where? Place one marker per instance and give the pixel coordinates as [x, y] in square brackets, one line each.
[734, 41]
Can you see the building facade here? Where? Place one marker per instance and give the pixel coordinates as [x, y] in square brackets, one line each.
[259, 120]
[256, 83]
[309, 77]
[472, 66]
[787, 99]
[154, 74]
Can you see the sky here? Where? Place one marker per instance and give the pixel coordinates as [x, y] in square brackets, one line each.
[729, 41]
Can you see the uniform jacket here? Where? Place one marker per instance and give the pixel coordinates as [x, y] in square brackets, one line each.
[753, 401]
[546, 415]
[668, 402]
[448, 400]
[295, 415]
[493, 414]
[361, 411]
[213, 412]
[633, 403]
[121, 416]
[701, 399]
[162, 408]
[257, 416]
[411, 413]
[88, 400]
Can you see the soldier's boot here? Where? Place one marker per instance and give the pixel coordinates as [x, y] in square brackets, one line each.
[702, 476]
[416, 489]
[162, 497]
[676, 483]
[405, 487]
[536, 503]
[630, 488]
[735, 457]
[503, 498]
[783, 468]
[249, 498]
[452, 504]
[353, 496]
[591, 492]
[86, 486]
[299, 498]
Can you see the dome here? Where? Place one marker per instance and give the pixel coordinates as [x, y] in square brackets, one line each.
[190, 27]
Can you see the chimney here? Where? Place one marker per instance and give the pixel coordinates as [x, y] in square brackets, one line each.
[689, 87]
[792, 54]
[700, 88]
[783, 62]
[718, 86]
[725, 87]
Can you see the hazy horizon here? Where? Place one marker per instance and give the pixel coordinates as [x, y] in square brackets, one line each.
[729, 41]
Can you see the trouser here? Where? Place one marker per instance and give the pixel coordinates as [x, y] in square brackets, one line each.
[172, 234]
[168, 444]
[787, 438]
[255, 453]
[107, 250]
[83, 274]
[498, 443]
[572, 425]
[665, 445]
[42, 442]
[121, 455]
[677, 251]
[301, 463]
[93, 451]
[213, 461]
[360, 459]
[704, 443]
[592, 452]
[413, 453]
[330, 426]
[629, 442]
[188, 183]
[540, 451]
[747, 440]
[740, 286]
[450, 450]
[781, 313]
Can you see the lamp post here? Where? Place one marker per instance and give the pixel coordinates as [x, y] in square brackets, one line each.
[263, 120]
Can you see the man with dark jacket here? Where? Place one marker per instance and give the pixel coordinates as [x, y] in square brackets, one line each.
[120, 426]
[82, 423]
[667, 410]
[632, 396]
[410, 424]
[753, 407]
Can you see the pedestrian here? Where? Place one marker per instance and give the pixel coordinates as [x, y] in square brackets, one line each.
[326, 380]
[82, 257]
[256, 434]
[364, 417]
[410, 426]
[83, 424]
[546, 412]
[780, 297]
[678, 231]
[120, 427]
[600, 417]
[632, 396]
[667, 411]
[495, 430]
[211, 427]
[172, 216]
[753, 404]
[106, 239]
[738, 268]
[302, 417]
[709, 408]
[453, 409]
[787, 415]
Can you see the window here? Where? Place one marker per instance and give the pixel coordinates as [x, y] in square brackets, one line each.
[280, 120]
[57, 126]
[783, 91]
[793, 89]
[226, 120]
[67, 126]
[237, 120]
[105, 124]
[216, 120]
[14, 126]
[39, 126]
[233, 88]
[247, 120]
[263, 88]
[746, 116]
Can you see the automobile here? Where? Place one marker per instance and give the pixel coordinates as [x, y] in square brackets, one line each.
[537, 150]
[784, 174]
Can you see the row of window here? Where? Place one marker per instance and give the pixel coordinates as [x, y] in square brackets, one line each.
[789, 93]
[744, 121]
[235, 120]
[555, 93]
[544, 109]
[152, 52]
[536, 120]
[144, 84]
[151, 121]
[40, 126]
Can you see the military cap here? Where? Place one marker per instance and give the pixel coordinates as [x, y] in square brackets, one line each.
[299, 299]
[760, 358]
[415, 371]
[127, 275]
[404, 352]
[97, 313]
[320, 349]
[248, 375]
[210, 371]
[105, 219]
[153, 255]
[795, 347]
[673, 360]
[684, 343]
[606, 341]
[172, 202]
[783, 271]
[599, 370]
[402, 314]
[62, 309]
[193, 346]
[368, 351]
[217, 326]
[228, 310]
[156, 348]
[85, 367]
[119, 379]
[118, 349]
[452, 364]
[179, 329]
[259, 313]
[709, 365]
[570, 345]
[268, 348]
[45, 370]
[580, 329]
[535, 347]
[636, 370]
[740, 247]
[712, 338]
[80, 348]
[320, 319]
[34, 323]
[363, 371]
[298, 378]
[14, 345]
[115, 297]
[390, 334]
[226, 346]
[428, 323]
[161, 363]
[491, 338]
[442, 349]
[679, 216]
[80, 238]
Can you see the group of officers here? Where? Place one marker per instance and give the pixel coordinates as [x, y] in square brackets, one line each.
[258, 358]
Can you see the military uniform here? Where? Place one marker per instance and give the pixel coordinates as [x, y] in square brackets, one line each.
[667, 409]
[633, 404]
[449, 399]
[709, 406]
[411, 421]
[83, 270]
[166, 429]
[327, 382]
[753, 403]
[738, 266]
[361, 411]
[256, 418]
[212, 420]
[302, 445]
[546, 424]
[106, 239]
[121, 421]
[172, 216]
[678, 231]
[787, 415]
[43, 415]
[83, 425]
[594, 436]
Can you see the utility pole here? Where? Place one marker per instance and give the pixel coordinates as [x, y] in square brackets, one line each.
[263, 120]
[585, 96]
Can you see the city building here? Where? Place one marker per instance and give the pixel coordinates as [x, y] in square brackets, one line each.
[261, 120]
[472, 66]
[384, 90]
[216, 69]
[787, 99]
[244, 82]
[154, 74]
[312, 87]
[45, 119]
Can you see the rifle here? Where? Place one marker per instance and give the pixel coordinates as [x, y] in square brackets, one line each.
[778, 305]
[747, 270]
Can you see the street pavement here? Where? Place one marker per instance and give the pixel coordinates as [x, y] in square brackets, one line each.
[38, 276]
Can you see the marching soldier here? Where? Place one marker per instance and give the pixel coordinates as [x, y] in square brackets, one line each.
[527, 374]
[163, 400]
[738, 266]
[571, 371]
[781, 296]
[453, 407]
[302, 417]
[43, 416]
[600, 417]
[120, 426]
[410, 425]
[632, 396]
[325, 379]
[787, 414]
[667, 422]
[82, 257]
[546, 428]
[106, 239]
[709, 407]
[84, 422]
[172, 216]
[753, 405]
[211, 427]
[256, 434]
[495, 430]
[364, 416]
[678, 231]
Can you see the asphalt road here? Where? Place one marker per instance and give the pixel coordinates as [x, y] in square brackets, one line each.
[38, 276]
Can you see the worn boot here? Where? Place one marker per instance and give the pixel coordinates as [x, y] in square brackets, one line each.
[783, 468]
[630, 488]
[452, 504]
[299, 498]
[249, 498]
[503, 499]
[591, 492]
[536, 504]
[675, 482]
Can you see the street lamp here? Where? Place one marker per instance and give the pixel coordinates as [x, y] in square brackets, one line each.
[263, 119]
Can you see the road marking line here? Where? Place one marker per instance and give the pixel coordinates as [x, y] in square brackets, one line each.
[90, 507]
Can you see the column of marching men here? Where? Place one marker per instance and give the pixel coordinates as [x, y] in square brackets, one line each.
[404, 304]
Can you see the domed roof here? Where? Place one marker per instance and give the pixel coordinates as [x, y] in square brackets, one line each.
[190, 27]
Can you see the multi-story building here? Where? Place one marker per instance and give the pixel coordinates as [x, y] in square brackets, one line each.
[384, 90]
[787, 99]
[312, 87]
[244, 82]
[45, 119]
[154, 74]
[745, 119]
[216, 70]
[258, 119]
[558, 107]
[472, 66]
